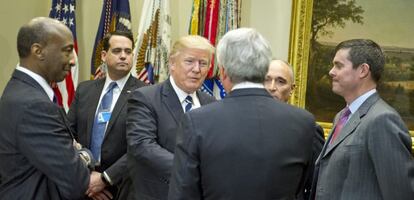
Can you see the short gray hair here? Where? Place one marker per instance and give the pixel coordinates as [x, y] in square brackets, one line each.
[245, 55]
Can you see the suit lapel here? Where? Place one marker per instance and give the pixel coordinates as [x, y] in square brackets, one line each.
[170, 99]
[351, 125]
[120, 103]
[95, 94]
[201, 98]
[29, 80]
[348, 129]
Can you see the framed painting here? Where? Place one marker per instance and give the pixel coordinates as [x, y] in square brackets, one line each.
[319, 25]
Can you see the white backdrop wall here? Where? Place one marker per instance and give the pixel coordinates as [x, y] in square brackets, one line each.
[270, 17]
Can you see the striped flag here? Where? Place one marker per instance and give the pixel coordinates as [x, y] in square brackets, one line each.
[64, 11]
[115, 16]
[212, 19]
[153, 42]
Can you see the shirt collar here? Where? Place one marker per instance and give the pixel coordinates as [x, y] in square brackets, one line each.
[353, 107]
[247, 84]
[120, 82]
[39, 79]
[180, 93]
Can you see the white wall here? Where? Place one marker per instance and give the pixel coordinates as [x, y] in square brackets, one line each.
[270, 17]
[12, 15]
[272, 20]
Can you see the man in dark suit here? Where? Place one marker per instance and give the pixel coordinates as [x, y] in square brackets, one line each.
[155, 112]
[38, 160]
[368, 153]
[110, 148]
[280, 83]
[246, 146]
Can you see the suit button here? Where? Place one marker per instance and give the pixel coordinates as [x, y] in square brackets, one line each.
[320, 190]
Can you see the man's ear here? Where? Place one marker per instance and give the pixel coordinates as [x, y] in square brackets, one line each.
[364, 70]
[103, 56]
[223, 74]
[37, 50]
[292, 88]
[171, 63]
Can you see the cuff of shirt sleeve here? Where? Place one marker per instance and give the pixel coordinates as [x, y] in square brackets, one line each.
[106, 178]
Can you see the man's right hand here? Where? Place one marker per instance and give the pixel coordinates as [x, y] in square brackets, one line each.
[103, 195]
[96, 187]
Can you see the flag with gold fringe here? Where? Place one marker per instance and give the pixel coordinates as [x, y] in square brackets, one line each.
[153, 42]
[115, 16]
[212, 19]
[64, 11]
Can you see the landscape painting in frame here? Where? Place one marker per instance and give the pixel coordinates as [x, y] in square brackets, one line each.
[390, 24]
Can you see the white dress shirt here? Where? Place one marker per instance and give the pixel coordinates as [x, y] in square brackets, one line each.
[182, 95]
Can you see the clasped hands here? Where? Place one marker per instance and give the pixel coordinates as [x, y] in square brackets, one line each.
[96, 188]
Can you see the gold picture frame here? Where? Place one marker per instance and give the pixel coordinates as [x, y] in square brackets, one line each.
[299, 49]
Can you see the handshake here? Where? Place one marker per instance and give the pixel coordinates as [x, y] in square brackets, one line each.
[85, 155]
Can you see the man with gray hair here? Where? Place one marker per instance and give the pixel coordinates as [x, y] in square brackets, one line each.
[246, 146]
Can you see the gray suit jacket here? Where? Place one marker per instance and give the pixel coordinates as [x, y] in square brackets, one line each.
[370, 159]
[246, 146]
[113, 150]
[37, 158]
[154, 114]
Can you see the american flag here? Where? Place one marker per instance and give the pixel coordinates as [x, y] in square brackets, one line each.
[213, 87]
[64, 11]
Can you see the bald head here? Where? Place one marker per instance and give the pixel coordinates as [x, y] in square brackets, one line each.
[279, 80]
[45, 47]
[38, 30]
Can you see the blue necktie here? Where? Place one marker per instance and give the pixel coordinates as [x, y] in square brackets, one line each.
[101, 118]
[189, 101]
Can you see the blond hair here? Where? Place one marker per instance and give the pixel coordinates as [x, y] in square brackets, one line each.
[192, 42]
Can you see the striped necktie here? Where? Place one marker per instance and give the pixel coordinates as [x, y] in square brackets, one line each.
[189, 101]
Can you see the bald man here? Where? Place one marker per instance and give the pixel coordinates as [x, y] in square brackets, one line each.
[279, 80]
[38, 160]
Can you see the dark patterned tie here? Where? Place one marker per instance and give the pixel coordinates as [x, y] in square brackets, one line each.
[99, 125]
[341, 123]
[55, 100]
[189, 101]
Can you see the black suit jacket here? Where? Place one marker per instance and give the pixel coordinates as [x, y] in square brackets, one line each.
[37, 158]
[113, 151]
[246, 146]
[154, 113]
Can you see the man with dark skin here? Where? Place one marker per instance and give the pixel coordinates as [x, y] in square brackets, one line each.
[38, 160]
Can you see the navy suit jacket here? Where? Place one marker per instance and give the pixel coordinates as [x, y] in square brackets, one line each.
[246, 146]
[113, 151]
[154, 114]
[37, 157]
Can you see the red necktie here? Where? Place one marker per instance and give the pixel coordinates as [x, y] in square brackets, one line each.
[342, 121]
